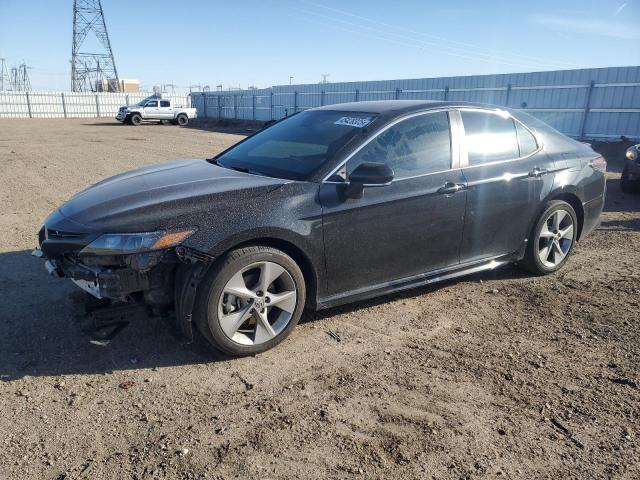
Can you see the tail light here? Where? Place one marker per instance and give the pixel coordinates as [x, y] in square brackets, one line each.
[599, 163]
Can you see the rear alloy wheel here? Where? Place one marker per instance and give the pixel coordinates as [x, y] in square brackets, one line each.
[136, 119]
[552, 238]
[183, 120]
[250, 301]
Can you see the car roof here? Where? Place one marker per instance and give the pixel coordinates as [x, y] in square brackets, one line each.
[398, 107]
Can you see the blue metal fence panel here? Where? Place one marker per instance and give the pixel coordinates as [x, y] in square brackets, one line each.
[591, 103]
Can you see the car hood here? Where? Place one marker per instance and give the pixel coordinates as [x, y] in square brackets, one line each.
[164, 196]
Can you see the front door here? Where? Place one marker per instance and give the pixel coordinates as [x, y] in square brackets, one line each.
[151, 109]
[507, 175]
[412, 226]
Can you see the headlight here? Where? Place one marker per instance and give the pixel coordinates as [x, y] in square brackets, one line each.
[126, 243]
[632, 153]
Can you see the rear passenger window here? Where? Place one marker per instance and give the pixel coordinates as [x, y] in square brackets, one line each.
[416, 146]
[527, 141]
[164, 103]
[489, 137]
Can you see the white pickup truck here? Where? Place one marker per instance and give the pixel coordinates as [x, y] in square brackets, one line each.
[155, 108]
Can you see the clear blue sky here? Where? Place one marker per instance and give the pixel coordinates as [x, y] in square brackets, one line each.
[263, 42]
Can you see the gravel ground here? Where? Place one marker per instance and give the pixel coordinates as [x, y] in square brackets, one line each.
[496, 375]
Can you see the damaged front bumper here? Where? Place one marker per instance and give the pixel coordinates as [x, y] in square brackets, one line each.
[161, 281]
[104, 282]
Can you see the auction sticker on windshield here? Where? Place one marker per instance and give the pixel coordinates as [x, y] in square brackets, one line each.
[358, 122]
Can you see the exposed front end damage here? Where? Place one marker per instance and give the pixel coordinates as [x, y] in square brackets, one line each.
[125, 284]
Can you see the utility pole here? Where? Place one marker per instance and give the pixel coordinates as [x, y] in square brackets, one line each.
[324, 78]
[88, 69]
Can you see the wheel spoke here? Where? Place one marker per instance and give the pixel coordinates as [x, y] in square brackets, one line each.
[237, 287]
[545, 252]
[546, 233]
[558, 253]
[231, 322]
[269, 272]
[567, 232]
[558, 216]
[285, 301]
[264, 330]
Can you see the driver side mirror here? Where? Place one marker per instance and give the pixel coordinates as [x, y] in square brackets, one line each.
[367, 174]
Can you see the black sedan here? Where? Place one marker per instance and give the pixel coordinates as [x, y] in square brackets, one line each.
[331, 205]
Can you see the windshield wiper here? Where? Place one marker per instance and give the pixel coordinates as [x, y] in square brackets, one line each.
[237, 169]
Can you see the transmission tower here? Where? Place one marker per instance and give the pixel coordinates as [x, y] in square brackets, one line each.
[20, 79]
[90, 69]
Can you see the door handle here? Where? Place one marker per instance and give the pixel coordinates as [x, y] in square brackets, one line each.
[538, 172]
[450, 188]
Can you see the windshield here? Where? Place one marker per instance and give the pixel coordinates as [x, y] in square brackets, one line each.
[297, 146]
[143, 101]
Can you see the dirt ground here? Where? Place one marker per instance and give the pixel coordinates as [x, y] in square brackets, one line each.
[500, 375]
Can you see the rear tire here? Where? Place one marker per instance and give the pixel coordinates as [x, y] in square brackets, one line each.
[182, 120]
[552, 239]
[135, 119]
[250, 300]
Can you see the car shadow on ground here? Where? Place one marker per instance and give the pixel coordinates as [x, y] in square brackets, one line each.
[39, 335]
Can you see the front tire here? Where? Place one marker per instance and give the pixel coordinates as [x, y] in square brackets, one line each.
[135, 119]
[552, 239]
[250, 300]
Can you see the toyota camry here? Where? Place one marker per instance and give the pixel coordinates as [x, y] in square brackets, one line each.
[328, 206]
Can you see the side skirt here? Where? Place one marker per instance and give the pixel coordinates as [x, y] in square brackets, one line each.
[417, 281]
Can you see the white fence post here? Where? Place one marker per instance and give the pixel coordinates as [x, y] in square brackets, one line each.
[271, 104]
[253, 106]
[97, 106]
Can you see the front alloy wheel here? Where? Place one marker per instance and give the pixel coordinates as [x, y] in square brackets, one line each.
[250, 300]
[257, 303]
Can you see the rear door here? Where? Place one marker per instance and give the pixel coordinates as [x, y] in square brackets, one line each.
[411, 226]
[507, 175]
[165, 110]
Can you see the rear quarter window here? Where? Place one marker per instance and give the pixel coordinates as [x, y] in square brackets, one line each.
[526, 140]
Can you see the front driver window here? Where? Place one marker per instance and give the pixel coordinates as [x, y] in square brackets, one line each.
[152, 104]
[416, 146]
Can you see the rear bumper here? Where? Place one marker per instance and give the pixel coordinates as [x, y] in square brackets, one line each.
[592, 210]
